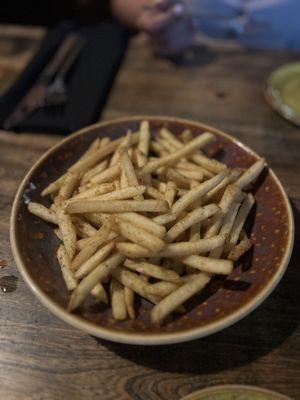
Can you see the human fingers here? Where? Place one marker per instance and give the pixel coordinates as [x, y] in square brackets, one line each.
[154, 22]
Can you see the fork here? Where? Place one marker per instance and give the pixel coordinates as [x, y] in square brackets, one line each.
[56, 94]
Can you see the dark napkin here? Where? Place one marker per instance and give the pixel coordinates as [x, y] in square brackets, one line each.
[88, 82]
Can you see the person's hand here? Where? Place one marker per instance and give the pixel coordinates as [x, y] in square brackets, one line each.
[169, 27]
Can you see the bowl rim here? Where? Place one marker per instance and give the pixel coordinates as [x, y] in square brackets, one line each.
[272, 101]
[257, 389]
[144, 338]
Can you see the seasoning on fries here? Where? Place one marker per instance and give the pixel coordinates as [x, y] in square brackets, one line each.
[147, 217]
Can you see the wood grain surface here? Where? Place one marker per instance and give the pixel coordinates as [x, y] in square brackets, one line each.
[42, 358]
[17, 45]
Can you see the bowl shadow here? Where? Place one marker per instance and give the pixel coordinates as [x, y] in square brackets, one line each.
[255, 336]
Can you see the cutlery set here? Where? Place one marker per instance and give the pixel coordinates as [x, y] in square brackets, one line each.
[50, 88]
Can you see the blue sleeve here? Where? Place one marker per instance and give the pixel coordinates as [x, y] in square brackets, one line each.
[262, 24]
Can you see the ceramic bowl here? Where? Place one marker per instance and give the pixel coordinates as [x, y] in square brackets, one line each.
[222, 303]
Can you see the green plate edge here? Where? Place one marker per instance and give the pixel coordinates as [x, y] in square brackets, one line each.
[235, 392]
[273, 89]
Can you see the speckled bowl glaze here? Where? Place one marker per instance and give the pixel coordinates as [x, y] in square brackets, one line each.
[222, 303]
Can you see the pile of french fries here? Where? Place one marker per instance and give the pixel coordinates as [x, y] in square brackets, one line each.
[148, 217]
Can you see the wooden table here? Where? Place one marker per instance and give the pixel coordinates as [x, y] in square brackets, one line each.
[43, 358]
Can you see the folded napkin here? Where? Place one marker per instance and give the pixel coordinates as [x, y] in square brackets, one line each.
[88, 82]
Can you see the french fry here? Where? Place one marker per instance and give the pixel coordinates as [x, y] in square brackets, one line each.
[175, 176]
[225, 229]
[169, 148]
[58, 234]
[129, 301]
[161, 289]
[99, 293]
[210, 164]
[133, 281]
[154, 193]
[91, 160]
[189, 220]
[152, 270]
[83, 228]
[101, 235]
[162, 187]
[159, 185]
[171, 139]
[118, 304]
[189, 148]
[125, 144]
[208, 265]
[196, 193]
[123, 179]
[139, 236]
[190, 166]
[251, 174]
[237, 251]
[164, 219]
[239, 221]
[85, 252]
[54, 186]
[143, 222]
[116, 156]
[116, 206]
[96, 190]
[213, 194]
[195, 232]
[214, 226]
[144, 139]
[94, 171]
[42, 212]
[68, 233]
[141, 159]
[69, 185]
[130, 153]
[196, 175]
[182, 249]
[94, 260]
[157, 148]
[186, 136]
[94, 146]
[181, 192]
[96, 219]
[132, 250]
[107, 175]
[122, 194]
[199, 158]
[97, 275]
[65, 262]
[128, 168]
[232, 193]
[104, 141]
[160, 311]
[59, 203]
[82, 243]
[100, 238]
[170, 193]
